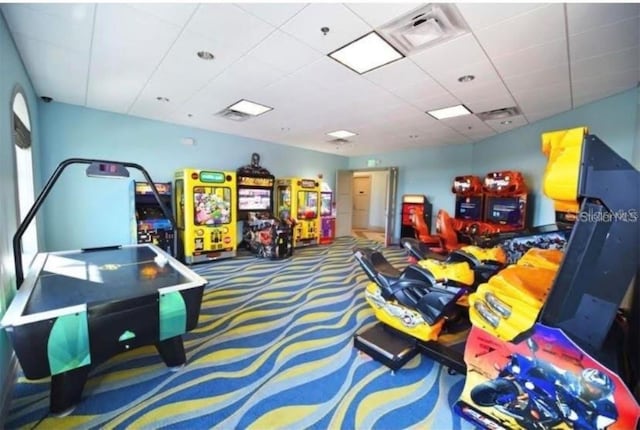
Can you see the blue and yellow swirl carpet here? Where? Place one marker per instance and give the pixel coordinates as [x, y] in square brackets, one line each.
[273, 350]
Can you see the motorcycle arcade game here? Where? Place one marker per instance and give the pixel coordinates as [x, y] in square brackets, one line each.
[263, 235]
[552, 348]
[151, 225]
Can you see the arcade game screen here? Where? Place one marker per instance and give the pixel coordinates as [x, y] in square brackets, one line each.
[503, 210]
[469, 208]
[254, 199]
[212, 205]
[307, 204]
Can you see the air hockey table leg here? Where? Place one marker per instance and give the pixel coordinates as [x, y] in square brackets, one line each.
[172, 351]
[66, 390]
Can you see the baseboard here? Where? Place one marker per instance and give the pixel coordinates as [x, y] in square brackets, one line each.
[9, 383]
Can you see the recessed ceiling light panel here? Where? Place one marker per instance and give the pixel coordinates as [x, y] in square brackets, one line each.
[341, 134]
[249, 108]
[450, 112]
[367, 53]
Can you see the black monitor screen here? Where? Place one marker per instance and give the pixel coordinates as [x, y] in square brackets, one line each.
[469, 208]
[504, 210]
[254, 199]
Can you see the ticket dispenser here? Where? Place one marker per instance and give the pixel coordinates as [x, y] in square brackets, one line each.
[206, 214]
[298, 203]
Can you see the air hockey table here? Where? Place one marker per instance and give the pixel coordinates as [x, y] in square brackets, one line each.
[77, 309]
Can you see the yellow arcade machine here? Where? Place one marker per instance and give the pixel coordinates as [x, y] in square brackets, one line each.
[298, 203]
[206, 217]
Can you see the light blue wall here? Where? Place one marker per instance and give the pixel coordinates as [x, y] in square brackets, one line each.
[12, 72]
[86, 212]
[613, 120]
[427, 171]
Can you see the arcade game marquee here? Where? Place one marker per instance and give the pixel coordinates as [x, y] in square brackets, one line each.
[205, 214]
[298, 202]
[76, 309]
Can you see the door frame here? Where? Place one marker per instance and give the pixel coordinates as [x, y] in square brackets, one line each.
[391, 203]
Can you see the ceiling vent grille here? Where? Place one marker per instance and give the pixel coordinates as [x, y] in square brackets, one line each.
[502, 113]
[233, 115]
[339, 141]
[424, 27]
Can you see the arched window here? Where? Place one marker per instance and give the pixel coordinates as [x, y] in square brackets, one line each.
[21, 127]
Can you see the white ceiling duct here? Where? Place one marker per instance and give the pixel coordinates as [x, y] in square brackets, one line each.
[424, 27]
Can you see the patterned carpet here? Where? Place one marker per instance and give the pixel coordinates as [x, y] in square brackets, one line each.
[273, 349]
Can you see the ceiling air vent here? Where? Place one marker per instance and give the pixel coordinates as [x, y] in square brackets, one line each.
[233, 115]
[424, 27]
[502, 113]
[339, 141]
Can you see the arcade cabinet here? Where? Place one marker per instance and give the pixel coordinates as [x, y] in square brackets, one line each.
[416, 216]
[298, 203]
[505, 204]
[205, 214]
[262, 234]
[469, 199]
[327, 215]
[555, 348]
[151, 226]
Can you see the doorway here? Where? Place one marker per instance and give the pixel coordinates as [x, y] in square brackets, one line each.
[361, 202]
[380, 224]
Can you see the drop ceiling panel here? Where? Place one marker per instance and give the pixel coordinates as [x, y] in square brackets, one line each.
[68, 11]
[379, 14]
[69, 83]
[451, 57]
[624, 60]
[174, 13]
[229, 25]
[182, 61]
[556, 97]
[40, 24]
[284, 52]
[559, 74]
[601, 40]
[327, 73]
[344, 26]
[275, 14]
[501, 99]
[535, 27]
[470, 126]
[481, 15]
[582, 17]
[535, 58]
[604, 85]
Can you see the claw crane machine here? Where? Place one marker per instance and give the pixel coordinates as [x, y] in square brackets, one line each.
[206, 214]
[298, 203]
[327, 215]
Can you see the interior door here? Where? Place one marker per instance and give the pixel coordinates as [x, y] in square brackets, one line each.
[344, 202]
[361, 201]
[390, 213]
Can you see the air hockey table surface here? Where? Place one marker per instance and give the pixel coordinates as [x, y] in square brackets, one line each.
[76, 309]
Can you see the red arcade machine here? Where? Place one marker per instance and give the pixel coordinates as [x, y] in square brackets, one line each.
[416, 216]
[505, 205]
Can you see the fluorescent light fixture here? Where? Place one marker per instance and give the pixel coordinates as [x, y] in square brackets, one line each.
[249, 108]
[341, 134]
[449, 112]
[367, 53]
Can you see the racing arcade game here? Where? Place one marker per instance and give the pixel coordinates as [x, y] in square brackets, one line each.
[469, 200]
[505, 204]
[298, 203]
[553, 349]
[151, 225]
[417, 214]
[263, 235]
[205, 214]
